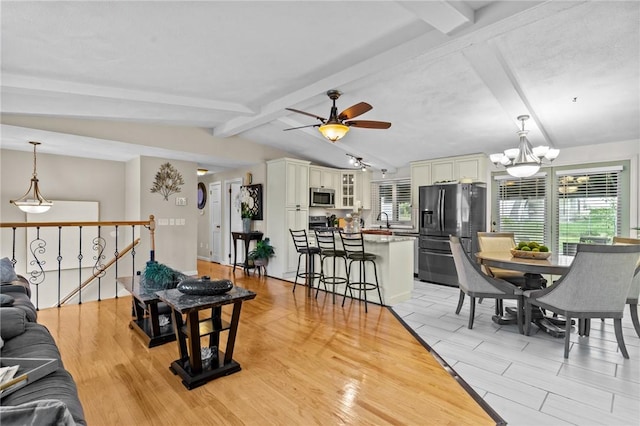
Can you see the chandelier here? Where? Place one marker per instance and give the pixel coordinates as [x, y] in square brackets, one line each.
[524, 161]
[32, 201]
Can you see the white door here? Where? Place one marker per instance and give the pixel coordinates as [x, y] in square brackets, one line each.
[215, 207]
[234, 220]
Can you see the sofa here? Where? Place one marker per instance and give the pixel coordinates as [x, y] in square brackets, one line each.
[52, 399]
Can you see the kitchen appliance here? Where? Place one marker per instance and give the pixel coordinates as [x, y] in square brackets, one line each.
[448, 209]
[322, 197]
[317, 222]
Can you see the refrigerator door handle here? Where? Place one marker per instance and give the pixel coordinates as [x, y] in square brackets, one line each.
[441, 209]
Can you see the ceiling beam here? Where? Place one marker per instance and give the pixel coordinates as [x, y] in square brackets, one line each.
[445, 16]
[15, 81]
[489, 64]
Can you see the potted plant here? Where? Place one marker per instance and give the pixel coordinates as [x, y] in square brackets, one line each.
[262, 252]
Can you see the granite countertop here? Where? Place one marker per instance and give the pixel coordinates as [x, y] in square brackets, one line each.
[383, 239]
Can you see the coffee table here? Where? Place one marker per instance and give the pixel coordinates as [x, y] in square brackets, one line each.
[147, 326]
[189, 333]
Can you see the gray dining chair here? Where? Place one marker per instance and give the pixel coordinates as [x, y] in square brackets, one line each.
[475, 283]
[634, 290]
[596, 286]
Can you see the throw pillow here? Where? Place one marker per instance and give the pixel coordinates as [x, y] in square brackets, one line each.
[6, 300]
[7, 273]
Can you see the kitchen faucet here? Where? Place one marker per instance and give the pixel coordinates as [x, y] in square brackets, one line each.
[386, 215]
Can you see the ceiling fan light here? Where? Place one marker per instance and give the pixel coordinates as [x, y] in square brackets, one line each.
[333, 131]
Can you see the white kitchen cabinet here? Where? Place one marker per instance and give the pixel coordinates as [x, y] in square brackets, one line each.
[287, 207]
[420, 176]
[355, 186]
[323, 177]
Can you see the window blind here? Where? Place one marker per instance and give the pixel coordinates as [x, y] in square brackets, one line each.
[588, 208]
[393, 198]
[521, 207]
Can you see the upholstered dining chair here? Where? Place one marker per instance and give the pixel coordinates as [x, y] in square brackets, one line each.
[500, 241]
[634, 290]
[475, 283]
[596, 286]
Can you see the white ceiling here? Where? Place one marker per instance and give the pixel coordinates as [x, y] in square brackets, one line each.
[452, 76]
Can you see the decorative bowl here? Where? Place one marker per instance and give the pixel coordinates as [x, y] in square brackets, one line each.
[530, 254]
[204, 286]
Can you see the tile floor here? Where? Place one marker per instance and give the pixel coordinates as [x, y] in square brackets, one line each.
[525, 379]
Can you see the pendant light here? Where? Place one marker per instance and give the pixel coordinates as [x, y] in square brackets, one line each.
[32, 201]
[524, 161]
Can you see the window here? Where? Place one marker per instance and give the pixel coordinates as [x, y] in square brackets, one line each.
[564, 206]
[521, 207]
[393, 199]
[588, 207]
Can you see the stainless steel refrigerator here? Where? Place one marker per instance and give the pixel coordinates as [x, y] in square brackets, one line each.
[448, 209]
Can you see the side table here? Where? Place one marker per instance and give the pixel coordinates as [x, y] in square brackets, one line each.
[188, 334]
[146, 325]
[246, 237]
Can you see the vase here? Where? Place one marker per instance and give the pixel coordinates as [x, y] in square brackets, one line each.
[246, 225]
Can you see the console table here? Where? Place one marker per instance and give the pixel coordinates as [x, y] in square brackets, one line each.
[189, 333]
[147, 325]
[246, 237]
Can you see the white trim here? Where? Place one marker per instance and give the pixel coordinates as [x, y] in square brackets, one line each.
[590, 171]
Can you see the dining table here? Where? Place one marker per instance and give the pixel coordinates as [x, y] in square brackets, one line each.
[533, 269]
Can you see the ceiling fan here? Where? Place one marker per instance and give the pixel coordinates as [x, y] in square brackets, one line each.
[338, 125]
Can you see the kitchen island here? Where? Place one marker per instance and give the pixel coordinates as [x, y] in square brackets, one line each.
[395, 257]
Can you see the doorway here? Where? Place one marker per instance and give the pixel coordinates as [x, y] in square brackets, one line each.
[233, 222]
[215, 209]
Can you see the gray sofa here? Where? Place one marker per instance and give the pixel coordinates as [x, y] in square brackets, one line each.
[52, 399]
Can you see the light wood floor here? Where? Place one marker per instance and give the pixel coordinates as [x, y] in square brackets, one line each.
[304, 361]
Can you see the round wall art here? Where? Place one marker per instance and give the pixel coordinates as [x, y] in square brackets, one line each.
[202, 195]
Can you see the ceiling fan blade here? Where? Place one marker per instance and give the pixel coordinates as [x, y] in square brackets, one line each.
[307, 113]
[354, 110]
[369, 124]
[301, 127]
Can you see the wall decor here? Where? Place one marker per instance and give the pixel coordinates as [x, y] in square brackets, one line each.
[202, 195]
[168, 181]
[255, 206]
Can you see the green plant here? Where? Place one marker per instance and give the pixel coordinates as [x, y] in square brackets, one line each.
[263, 250]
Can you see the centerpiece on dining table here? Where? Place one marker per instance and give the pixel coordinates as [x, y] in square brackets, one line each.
[531, 250]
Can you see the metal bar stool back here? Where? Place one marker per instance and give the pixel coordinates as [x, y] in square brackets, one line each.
[301, 242]
[326, 241]
[353, 244]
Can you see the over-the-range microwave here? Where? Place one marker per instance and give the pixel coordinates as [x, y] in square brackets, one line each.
[322, 197]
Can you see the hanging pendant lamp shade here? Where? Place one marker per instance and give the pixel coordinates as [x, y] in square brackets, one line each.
[524, 161]
[32, 201]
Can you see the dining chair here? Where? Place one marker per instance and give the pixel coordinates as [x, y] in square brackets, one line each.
[596, 286]
[475, 283]
[634, 290]
[500, 241]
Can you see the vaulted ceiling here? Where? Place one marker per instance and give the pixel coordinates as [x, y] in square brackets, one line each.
[452, 76]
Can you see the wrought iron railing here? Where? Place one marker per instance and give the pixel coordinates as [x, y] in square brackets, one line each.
[73, 269]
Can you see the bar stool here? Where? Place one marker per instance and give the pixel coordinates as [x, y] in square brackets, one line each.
[327, 243]
[353, 244]
[303, 248]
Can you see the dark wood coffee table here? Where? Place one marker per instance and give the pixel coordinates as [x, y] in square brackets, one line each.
[189, 333]
[146, 315]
